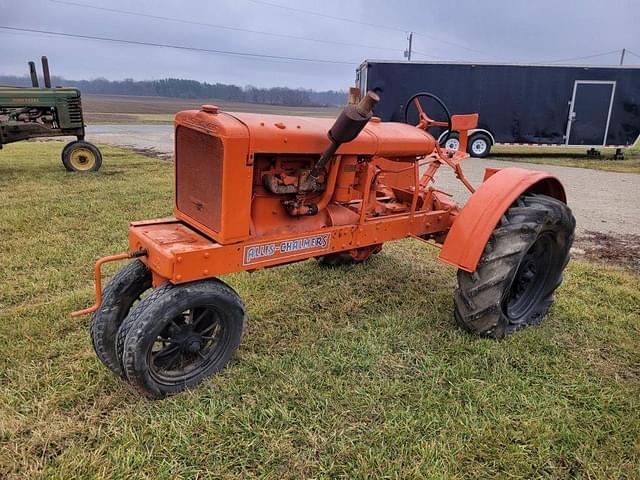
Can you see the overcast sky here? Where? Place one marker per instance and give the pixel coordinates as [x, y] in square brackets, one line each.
[464, 30]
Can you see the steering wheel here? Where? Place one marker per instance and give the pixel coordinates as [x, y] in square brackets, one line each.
[426, 121]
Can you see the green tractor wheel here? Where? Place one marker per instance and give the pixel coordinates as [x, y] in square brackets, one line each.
[81, 156]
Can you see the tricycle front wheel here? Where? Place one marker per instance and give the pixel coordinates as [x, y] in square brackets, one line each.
[180, 335]
[121, 293]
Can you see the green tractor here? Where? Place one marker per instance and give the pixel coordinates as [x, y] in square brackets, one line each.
[32, 112]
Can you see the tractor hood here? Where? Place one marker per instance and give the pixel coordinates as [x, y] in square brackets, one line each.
[306, 135]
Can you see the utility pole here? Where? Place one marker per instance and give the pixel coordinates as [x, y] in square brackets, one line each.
[407, 52]
[624, 50]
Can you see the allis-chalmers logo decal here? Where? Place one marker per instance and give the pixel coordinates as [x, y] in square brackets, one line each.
[285, 248]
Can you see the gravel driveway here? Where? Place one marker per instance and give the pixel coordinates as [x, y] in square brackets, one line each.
[146, 137]
[605, 202]
[601, 201]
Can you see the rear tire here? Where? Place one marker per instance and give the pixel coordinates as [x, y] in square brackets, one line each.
[520, 268]
[180, 335]
[118, 297]
[350, 257]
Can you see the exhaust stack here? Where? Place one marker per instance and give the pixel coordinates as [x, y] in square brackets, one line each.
[34, 75]
[347, 127]
[45, 72]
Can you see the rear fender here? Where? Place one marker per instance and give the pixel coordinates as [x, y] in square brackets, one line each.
[472, 228]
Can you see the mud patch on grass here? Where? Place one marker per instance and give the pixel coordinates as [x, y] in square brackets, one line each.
[609, 248]
[151, 153]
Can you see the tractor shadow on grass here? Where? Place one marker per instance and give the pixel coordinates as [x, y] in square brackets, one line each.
[404, 287]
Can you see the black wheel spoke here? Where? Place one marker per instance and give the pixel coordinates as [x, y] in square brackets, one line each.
[200, 317]
[166, 351]
[170, 360]
[209, 328]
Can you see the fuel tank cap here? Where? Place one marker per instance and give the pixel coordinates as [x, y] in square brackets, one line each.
[209, 108]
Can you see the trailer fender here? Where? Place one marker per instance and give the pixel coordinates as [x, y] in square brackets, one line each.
[472, 228]
[471, 132]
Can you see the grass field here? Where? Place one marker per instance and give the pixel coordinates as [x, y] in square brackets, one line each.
[354, 373]
[571, 157]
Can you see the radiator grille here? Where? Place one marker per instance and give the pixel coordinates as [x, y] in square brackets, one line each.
[75, 110]
[199, 176]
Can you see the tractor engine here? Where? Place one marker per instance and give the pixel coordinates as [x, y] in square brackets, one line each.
[248, 174]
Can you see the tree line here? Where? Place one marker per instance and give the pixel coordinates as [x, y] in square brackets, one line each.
[182, 88]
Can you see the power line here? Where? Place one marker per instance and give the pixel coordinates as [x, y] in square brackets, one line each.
[632, 53]
[585, 57]
[225, 27]
[332, 17]
[453, 44]
[431, 56]
[359, 22]
[183, 47]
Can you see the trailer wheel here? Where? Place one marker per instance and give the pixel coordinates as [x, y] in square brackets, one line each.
[180, 335]
[519, 271]
[350, 257]
[452, 143]
[124, 289]
[479, 145]
[81, 156]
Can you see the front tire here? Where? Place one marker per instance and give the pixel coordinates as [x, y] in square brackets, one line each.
[520, 268]
[180, 335]
[124, 289]
[81, 156]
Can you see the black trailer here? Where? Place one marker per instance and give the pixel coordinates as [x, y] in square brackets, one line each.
[560, 105]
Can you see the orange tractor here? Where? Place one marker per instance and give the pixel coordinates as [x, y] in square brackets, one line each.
[254, 191]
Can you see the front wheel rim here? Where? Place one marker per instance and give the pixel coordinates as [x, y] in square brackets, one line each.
[190, 345]
[82, 159]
